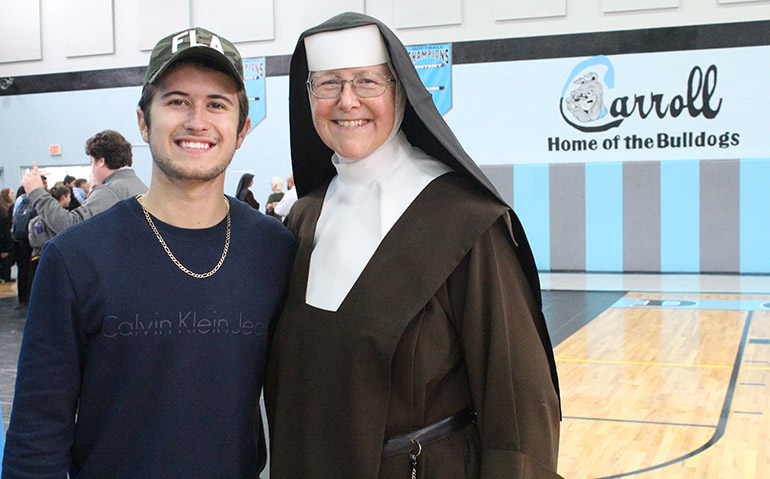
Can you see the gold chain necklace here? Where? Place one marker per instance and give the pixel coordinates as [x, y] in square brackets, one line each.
[140, 199]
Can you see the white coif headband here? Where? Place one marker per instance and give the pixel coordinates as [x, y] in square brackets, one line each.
[349, 48]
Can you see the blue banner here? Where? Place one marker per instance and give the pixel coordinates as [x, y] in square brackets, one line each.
[434, 66]
[254, 79]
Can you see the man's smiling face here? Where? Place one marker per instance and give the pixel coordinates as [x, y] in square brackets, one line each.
[193, 132]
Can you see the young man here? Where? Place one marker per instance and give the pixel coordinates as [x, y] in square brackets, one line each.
[110, 156]
[80, 190]
[145, 343]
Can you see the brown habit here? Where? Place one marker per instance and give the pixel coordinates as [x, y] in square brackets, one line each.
[445, 315]
[441, 318]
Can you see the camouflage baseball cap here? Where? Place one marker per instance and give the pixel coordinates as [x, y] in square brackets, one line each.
[194, 43]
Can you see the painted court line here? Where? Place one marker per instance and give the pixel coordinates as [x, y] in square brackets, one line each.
[673, 303]
[631, 421]
[723, 417]
[645, 363]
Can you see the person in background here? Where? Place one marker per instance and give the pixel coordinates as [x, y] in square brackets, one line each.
[146, 338]
[20, 195]
[243, 192]
[69, 182]
[284, 206]
[7, 199]
[39, 233]
[23, 211]
[413, 337]
[276, 186]
[6, 240]
[80, 190]
[110, 156]
[62, 194]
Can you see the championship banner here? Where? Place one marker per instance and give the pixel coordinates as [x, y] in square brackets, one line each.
[254, 79]
[434, 66]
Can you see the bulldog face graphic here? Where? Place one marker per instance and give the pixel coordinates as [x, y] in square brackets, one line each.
[586, 102]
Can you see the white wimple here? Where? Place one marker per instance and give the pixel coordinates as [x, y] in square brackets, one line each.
[363, 202]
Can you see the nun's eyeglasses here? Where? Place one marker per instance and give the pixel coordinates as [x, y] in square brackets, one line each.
[366, 84]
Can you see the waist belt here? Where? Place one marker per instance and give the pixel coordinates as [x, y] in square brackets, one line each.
[429, 434]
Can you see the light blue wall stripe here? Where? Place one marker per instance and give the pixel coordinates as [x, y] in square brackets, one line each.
[755, 216]
[531, 203]
[680, 216]
[604, 217]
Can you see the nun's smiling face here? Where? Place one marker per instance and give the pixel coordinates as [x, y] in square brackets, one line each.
[351, 125]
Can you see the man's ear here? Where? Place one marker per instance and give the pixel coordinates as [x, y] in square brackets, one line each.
[142, 125]
[242, 135]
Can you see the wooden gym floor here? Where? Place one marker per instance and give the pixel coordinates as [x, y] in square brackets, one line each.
[668, 385]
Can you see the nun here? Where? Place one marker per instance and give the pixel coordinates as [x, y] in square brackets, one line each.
[412, 343]
[243, 193]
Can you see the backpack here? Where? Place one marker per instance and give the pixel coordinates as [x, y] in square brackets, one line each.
[21, 216]
[39, 234]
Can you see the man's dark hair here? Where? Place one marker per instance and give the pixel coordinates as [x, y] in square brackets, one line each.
[68, 179]
[59, 192]
[111, 146]
[149, 91]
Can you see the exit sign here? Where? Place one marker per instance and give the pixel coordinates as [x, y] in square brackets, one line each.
[54, 150]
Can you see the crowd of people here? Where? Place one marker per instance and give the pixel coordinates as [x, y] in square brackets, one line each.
[39, 213]
[392, 313]
[278, 203]
[7, 247]
[18, 222]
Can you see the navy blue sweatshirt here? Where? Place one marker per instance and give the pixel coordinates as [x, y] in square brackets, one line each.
[130, 368]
